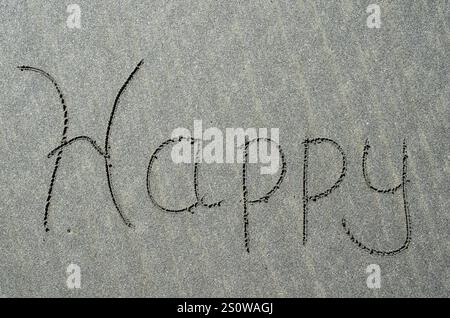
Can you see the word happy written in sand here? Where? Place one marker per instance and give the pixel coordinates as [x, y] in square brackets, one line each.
[246, 199]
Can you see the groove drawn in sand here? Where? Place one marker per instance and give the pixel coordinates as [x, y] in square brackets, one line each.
[306, 197]
[200, 199]
[65, 143]
[402, 186]
[246, 200]
[63, 138]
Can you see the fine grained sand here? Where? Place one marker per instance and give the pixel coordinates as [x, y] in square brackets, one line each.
[310, 68]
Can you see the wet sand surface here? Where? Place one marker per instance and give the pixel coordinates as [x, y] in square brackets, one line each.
[312, 69]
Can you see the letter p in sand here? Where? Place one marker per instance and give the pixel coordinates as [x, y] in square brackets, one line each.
[308, 197]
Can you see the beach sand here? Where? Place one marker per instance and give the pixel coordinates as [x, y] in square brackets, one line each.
[312, 69]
